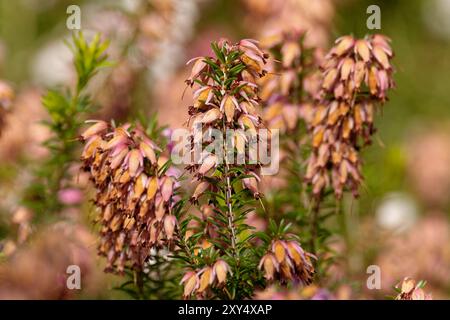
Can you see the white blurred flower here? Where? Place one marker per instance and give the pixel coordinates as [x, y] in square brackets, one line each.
[436, 15]
[52, 64]
[397, 212]
[130, 5]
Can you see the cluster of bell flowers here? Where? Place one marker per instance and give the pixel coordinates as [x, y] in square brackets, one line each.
[286, 261]
[199, 282]
[134, 195]
[357, 74]
[226, 98]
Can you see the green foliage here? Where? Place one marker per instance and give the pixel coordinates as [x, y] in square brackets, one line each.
[88, 58]
[67, 110]
[159, 281]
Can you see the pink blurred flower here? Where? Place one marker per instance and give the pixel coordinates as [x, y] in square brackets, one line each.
[70, 196]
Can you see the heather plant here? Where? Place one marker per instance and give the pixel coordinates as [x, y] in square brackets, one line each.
[150, 233]
[225, 97]
[219, 254]
[325, 106]
[357, 74]
[251, 190]
[356, 77]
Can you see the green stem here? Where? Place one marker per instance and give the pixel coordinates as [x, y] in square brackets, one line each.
[228, 194]
[314, 224]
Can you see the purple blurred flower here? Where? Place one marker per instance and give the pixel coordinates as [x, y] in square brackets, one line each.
[322, 294]
[167, 133]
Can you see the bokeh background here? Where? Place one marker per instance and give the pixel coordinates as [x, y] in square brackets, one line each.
[400, 222]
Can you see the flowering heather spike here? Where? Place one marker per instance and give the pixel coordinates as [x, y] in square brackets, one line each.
[345, 113]
[231, 104]
[135, 208]
[225, 98]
